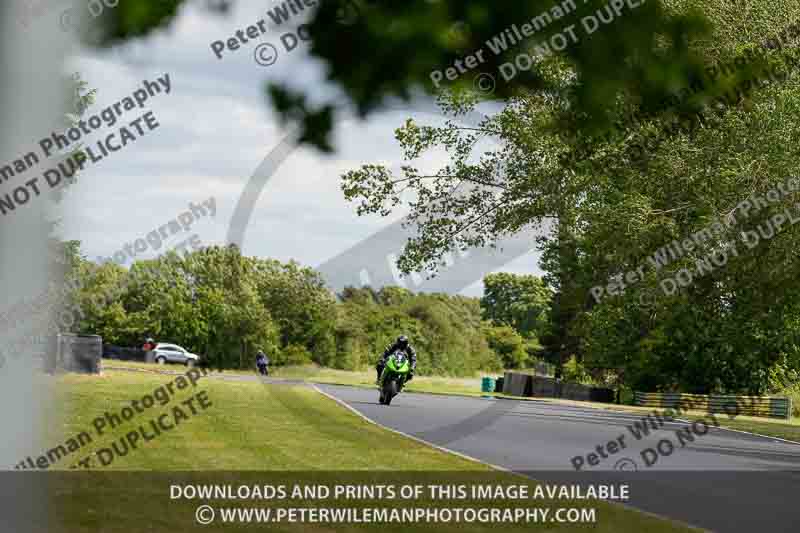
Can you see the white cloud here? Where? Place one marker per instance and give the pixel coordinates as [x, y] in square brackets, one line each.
[215, 129]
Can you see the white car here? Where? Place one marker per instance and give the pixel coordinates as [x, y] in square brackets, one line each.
[172, 353]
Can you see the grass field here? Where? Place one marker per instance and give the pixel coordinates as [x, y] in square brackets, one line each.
[256, 429]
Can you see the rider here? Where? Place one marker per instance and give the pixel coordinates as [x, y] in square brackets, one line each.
[400, 344]
[262, 360]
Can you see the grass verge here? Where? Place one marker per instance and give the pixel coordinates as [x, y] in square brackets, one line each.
[249, 426]
[255, 429]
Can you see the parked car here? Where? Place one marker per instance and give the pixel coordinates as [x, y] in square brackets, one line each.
[172, 353]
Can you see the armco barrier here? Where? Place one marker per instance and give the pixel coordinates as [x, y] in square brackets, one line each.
[517, 384]
[761, 406]
[545, 387]
[124, 354]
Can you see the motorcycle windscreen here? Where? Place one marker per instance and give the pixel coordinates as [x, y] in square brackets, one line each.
[399, 362]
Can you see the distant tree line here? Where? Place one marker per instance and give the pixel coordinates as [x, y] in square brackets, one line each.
[225, 306]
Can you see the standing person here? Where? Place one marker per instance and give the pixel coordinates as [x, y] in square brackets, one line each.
[400, 344]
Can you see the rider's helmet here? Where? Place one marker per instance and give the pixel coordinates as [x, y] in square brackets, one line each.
[150, 340]
[402, 341]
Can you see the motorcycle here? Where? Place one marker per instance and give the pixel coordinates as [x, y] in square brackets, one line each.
[393, 377]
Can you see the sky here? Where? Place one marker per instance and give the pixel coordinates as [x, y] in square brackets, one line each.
[215, 129]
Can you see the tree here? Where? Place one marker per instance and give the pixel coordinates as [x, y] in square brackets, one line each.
[445, 330]
[733, 323]
[612, 204]
[235, 311]
[302, 306]
[207, 302]
[508, 344]
[224, 306]
[519, 301]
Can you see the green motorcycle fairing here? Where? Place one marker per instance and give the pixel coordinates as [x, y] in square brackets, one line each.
[400, 366]
[396, 364]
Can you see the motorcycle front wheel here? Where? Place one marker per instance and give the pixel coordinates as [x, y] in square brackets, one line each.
[389, 391]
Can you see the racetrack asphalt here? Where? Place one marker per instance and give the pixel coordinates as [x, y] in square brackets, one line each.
[723, 481]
